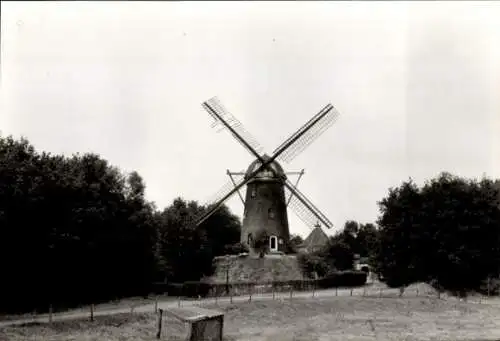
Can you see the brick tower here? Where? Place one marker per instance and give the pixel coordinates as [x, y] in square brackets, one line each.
[265, 217]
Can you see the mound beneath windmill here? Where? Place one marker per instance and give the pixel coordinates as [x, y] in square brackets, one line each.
[251, 269]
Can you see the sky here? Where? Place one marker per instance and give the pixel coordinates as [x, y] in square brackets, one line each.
[416, 85]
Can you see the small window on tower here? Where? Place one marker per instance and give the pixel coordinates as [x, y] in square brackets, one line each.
[271, 213]
[254, 193]
[273, 243]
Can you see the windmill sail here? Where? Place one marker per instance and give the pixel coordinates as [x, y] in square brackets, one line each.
[304, 208]
[217, 199]
[286, 152]
[315, 127]
[234, 177]
[223, 120]
[227, 188]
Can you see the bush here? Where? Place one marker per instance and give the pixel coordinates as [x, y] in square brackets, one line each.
[159, 288]
[204, 289]
[261, 243]
[312, 263]
[195, 289]
[186, 289]
[236, 249]
[491, 287]
[343, 279]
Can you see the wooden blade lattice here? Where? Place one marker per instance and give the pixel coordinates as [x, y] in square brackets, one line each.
[220, 194]
[223, 118]
[304, 208]
[287, 151]
[317, 126]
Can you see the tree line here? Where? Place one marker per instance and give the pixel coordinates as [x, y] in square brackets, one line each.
[445, 233]
[75, 229]
[356, 241]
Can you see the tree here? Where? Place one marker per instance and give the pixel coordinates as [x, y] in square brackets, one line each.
[397, 254]
[349, 234]
[366, 240]
[351, 228]
[223, 228]
[313, 265]
[236, 249]
[20, 256]
[77, 223]
[462, 219]
[185, 243]
[144, 226]
[445, 233]
[295, 242]
[184, 247]
[338, 254]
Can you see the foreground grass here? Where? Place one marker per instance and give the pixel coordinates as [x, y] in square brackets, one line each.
[336, 318]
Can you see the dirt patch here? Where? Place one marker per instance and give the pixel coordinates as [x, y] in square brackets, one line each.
[423, 289]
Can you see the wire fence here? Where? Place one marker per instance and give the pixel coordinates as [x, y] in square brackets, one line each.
[248, 292]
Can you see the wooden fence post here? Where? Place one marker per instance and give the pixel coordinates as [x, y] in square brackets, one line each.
[488, 286]
[158, 323]
[250, 296]
[179, 301]
[50, 313]
[92, 312]
[291, 291]
[156, 304]
[230, 295]
[273, 290]
[351, 291]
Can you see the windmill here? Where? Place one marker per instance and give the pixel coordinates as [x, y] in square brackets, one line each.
[269, 191]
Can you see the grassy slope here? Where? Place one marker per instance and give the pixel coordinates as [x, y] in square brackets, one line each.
[341, 318]
[277, 268]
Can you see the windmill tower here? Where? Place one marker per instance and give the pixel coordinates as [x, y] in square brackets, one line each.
[265, 222]
[265, 214]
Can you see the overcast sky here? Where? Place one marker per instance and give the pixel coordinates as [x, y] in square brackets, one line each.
[416, 85]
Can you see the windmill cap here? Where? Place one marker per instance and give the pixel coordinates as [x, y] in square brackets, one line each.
[266, 173]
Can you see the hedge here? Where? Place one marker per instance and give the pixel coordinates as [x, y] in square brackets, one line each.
[343, 279]
[205, 289]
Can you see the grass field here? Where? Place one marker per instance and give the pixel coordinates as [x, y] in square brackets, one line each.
[335, 318]
[117, 304]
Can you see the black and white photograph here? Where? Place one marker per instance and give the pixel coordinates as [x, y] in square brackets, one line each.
[249, 170]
